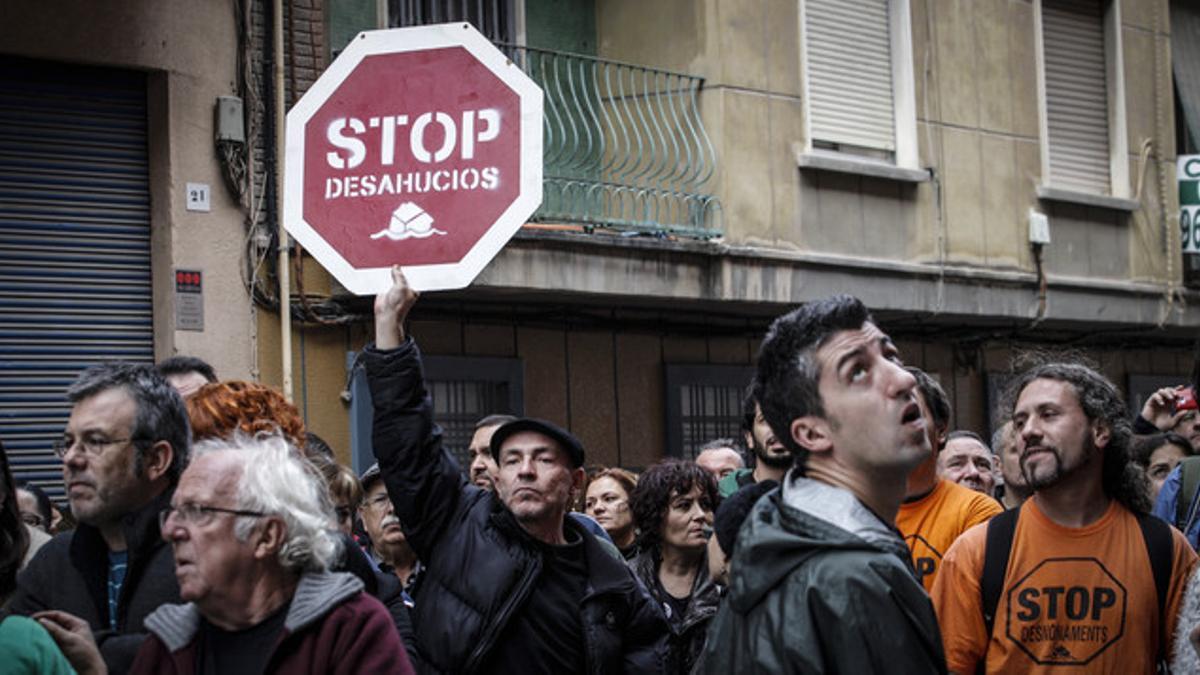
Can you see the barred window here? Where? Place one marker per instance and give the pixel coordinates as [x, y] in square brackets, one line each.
[704, 402]
[494, 18]
[464, 390]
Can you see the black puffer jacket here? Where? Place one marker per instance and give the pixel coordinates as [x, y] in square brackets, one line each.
[689, 629]
[478, 570]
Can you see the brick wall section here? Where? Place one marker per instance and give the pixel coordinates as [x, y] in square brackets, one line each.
[306, 51]
[305, 58]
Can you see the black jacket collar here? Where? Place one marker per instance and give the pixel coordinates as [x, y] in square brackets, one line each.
[606, 572]
[89, 551]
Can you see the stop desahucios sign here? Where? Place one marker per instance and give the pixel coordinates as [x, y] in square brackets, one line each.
[417, 146]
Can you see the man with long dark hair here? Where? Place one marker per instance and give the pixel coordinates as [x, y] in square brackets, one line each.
[771, 457]
[1080, 574]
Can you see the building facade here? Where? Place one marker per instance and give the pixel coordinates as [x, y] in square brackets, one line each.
[709, 165]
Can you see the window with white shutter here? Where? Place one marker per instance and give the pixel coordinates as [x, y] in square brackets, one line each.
[850, 73]
[1082, 120]
[858, 81]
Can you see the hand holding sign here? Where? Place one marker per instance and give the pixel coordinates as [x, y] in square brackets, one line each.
[391, 309]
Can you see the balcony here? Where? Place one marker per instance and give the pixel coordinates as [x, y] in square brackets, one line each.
[624, 146]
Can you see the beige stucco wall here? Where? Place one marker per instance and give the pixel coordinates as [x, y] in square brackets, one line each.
[975, 78]
[189, 51]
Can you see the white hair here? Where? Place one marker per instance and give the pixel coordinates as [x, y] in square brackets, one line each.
[276, 480]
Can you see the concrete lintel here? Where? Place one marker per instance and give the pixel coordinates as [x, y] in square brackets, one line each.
[715, 273]
[1053, 194]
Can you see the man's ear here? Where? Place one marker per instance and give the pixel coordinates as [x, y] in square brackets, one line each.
[1101, 434]
[812, 433]
[156, 461]
[940, 436]
[269, 538]
[577, 477]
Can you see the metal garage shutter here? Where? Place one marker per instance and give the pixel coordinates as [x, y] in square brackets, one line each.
[848, 56]
[74, 244]
[1076, 95]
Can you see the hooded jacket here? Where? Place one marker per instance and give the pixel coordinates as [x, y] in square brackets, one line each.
[331, 626]
[688, 630]
[819, 584]
[480, 566]
[70, 573]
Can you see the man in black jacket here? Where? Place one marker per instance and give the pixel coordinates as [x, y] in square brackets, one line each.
[124, 447]
[821, 581]
[510, 584]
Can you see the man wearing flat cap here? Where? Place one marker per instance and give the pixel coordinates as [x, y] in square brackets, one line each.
[510, 583]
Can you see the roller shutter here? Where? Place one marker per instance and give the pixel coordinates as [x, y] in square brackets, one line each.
[1076, 95]
[74, 244]
[848, 61]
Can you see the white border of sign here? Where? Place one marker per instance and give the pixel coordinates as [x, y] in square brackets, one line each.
[369, 281]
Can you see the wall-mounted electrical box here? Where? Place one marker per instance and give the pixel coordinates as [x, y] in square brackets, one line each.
[1039, 228]
[230, 120]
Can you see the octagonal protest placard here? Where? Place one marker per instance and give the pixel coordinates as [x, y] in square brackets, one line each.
[417, 146]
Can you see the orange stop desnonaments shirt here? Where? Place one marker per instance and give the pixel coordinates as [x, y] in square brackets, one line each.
[1071, 597]
[932, 523]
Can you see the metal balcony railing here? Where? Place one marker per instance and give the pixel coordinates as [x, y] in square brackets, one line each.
[624, 145]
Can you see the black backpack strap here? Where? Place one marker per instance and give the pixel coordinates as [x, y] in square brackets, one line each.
[1160, 546]
[995, 563]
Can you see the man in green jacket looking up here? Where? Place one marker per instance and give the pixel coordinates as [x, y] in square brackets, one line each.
[821, 580]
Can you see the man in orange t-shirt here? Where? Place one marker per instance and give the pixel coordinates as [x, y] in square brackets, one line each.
[1079, 587]
[935, 511]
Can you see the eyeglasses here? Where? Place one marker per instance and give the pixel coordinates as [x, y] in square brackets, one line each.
[31, 519]
[92, 445]
[198, 514]
[379, 502]
[343, 513]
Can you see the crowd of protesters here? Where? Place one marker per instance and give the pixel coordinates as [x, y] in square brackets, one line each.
[849, 529]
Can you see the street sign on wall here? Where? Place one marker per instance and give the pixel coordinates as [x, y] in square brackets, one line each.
[418, 146]
[1187, 172]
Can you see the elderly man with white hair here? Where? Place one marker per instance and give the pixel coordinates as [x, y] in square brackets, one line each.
[251, 531]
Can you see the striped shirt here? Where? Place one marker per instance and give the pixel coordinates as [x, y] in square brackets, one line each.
[117, 562]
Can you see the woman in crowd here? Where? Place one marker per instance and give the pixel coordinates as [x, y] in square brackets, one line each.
[217, 410]
[1159, 454]
[346, 492]
[14, 533]
[35, 506]
[25, 646]
[673, 508]
[607, 502]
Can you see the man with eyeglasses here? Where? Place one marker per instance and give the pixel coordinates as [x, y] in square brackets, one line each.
[124, 448]
[389, 547]
[249, 526]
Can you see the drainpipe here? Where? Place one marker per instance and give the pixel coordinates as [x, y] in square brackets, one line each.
[284, 265]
